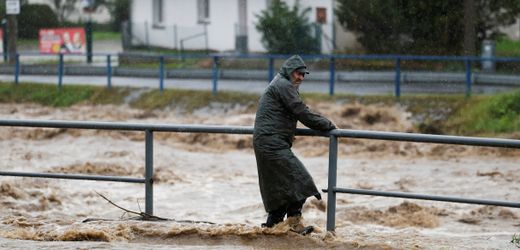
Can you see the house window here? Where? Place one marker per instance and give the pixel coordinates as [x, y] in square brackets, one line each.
[203, 11]
[158, 16]
[321, 15]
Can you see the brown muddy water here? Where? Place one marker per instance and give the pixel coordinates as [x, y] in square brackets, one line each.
[203, 178]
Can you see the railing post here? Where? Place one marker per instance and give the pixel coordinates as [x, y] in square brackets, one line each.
[182, 50]
[4, 41]
[147, 38]
[398, 77]
[17, 68]
[148, 172]
[161, 73]
[109, 72]
[332, 77]
[271, 69]
[468, 77]
[215, 74]
[60, 71]
[88, 38]
[331, 190]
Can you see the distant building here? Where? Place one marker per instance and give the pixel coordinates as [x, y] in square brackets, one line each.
[222, 25]
[76, 14]
[513, 31]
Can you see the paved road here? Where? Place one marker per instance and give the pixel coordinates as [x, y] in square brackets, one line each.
[257, 86]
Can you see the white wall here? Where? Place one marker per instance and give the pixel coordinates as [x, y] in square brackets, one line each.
[181, 16]
[345, 39]
[254, 37]
[223, 18]
[513, 31]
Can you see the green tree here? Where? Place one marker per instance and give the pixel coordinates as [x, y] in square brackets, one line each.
[64, 9]
[119, 12]
[34, 17]
[422, 27]
[287, 30]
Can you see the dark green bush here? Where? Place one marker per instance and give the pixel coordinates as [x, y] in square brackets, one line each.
[495, 114]
[34, 17]
[507, 105]
[120, 12]
[287, 30]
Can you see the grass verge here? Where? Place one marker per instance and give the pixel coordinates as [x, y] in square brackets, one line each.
[50, 95]
[508, 48]
[106, 35]
[487, 115]
[481, 115]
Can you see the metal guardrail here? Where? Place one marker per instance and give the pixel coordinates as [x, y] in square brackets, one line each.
[409, 137]
[333, 155]
[270, 58]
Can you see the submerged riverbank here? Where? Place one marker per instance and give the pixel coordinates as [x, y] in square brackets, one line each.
[212, 177]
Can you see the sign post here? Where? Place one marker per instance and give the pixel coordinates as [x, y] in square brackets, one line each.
[88, 7]
[12, 8]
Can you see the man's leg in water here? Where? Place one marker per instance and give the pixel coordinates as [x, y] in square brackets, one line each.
[275, 217]
[295, 209]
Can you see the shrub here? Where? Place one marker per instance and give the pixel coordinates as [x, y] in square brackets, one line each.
[287, 31]
[496, 114]
[120, 12]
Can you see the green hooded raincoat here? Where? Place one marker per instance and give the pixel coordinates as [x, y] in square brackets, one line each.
[282, 177]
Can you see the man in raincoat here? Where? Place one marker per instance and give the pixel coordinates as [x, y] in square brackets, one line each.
[284, 182]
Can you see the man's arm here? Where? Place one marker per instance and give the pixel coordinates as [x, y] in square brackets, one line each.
[295, 104]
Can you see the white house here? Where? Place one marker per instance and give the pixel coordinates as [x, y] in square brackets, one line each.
[222, 25]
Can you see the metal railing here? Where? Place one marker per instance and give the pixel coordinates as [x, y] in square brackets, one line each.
[333, 156]
[270, 58]
[409, 137]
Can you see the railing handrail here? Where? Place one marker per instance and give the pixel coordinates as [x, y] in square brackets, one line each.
[428, 138]
[285, 56]
[226, 129]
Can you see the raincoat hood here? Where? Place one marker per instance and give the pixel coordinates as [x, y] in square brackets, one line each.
[291, 64]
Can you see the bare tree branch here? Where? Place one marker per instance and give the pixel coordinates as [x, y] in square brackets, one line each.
[143, 215]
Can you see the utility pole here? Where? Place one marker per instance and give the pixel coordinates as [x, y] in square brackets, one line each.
[88, 7]
[4, 39]
[88, 28]
[470, 36]
[12, 8]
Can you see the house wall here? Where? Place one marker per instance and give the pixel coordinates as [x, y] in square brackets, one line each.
[513, 31]
[181, 22]
[345, 40]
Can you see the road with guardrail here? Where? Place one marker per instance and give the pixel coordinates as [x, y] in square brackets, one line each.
[355, 82]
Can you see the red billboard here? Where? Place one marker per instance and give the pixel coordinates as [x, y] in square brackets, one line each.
[62, 40]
